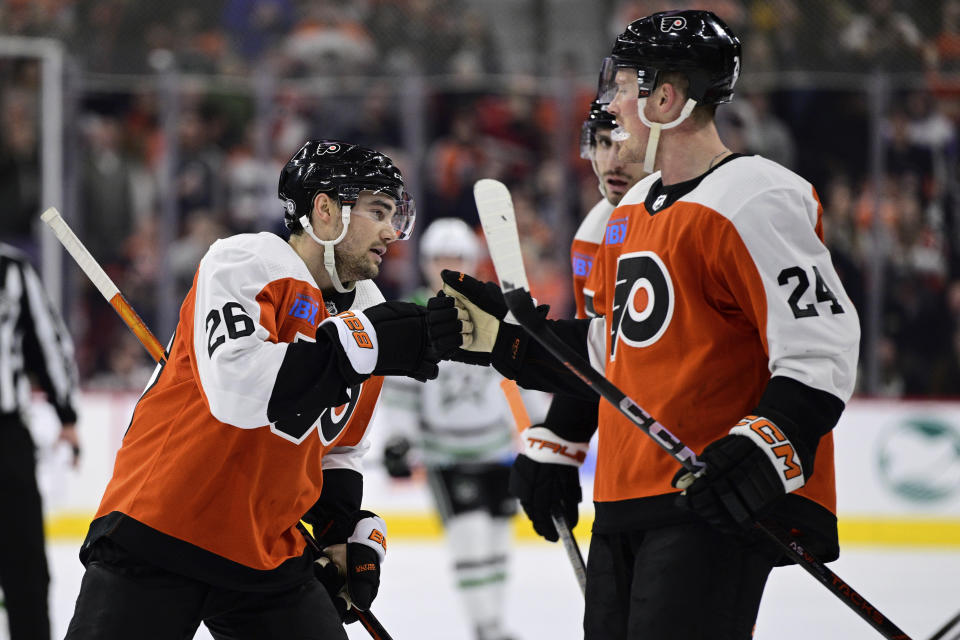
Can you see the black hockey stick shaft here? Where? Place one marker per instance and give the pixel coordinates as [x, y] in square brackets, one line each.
[950, 625]
[366, 618]
[573, 550]
[521, 304]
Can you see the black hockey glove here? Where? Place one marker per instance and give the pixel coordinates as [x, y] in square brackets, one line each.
[350, 572]
[445, 324]
[546, 479]
[389, 338]
[395, 457]
[487, 337]
[747, 472]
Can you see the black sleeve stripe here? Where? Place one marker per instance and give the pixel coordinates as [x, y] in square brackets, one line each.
[341, 496]
[309, 380]
[534, 367]
[572, 418]
[805, 414]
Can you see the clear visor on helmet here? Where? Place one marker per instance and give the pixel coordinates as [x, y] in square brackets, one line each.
[401, 212]
[608, 87]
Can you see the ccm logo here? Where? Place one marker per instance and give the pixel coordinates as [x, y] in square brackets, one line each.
[778, 442]
[360, 334]
[379, 538]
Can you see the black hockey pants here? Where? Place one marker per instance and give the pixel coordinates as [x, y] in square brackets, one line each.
[122, 598]
[680, 581]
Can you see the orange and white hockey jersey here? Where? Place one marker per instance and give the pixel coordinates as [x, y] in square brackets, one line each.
[583, 251]
[201, 463]
[706, 294]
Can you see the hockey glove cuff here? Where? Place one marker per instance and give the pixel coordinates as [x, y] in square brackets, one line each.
[747, 471]
[386, 339]
[545, 478]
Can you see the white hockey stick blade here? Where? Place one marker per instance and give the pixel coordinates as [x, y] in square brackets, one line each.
[499, 222]
[80, 254]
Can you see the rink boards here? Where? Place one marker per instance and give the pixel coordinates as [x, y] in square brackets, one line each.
[898, 473]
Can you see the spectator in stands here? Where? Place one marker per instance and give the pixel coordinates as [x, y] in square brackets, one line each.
[454, 163]
[106, 185]
[881, 37]
[19, 165]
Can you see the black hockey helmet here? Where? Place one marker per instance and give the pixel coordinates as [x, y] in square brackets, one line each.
[696, 43]
[597, 118]
[345, 169]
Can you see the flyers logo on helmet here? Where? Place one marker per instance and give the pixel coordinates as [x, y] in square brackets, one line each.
[673, 23]
[330, 148]
[643, 301]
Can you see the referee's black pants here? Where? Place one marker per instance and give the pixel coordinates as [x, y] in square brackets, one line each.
[24, 577]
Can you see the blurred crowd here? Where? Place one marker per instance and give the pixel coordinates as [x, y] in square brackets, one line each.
[148, 190]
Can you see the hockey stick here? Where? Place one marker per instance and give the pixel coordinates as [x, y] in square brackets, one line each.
[949, 626]
[102, 281]
[109, 290]
[496, 213]
[522, 420]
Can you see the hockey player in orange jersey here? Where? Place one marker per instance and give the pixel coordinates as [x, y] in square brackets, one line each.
[542, 480]
[719, 312]
[257, 419]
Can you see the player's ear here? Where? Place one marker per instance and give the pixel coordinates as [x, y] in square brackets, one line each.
[324, 208]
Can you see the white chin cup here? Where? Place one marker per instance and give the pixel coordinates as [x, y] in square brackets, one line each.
[328, 246]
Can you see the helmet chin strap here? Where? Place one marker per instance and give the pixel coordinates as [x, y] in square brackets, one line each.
[328, 245]
[655, 127]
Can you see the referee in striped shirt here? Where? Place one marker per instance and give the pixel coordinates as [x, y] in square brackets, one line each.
[34, 344]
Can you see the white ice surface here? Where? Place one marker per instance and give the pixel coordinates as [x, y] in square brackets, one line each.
[918, 589]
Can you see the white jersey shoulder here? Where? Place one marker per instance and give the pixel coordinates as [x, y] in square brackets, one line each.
[594, 224]
[274, 257]
[752, 182]
[813, 332]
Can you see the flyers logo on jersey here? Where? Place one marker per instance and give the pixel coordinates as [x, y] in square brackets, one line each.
[643, 301]
[329, 422]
